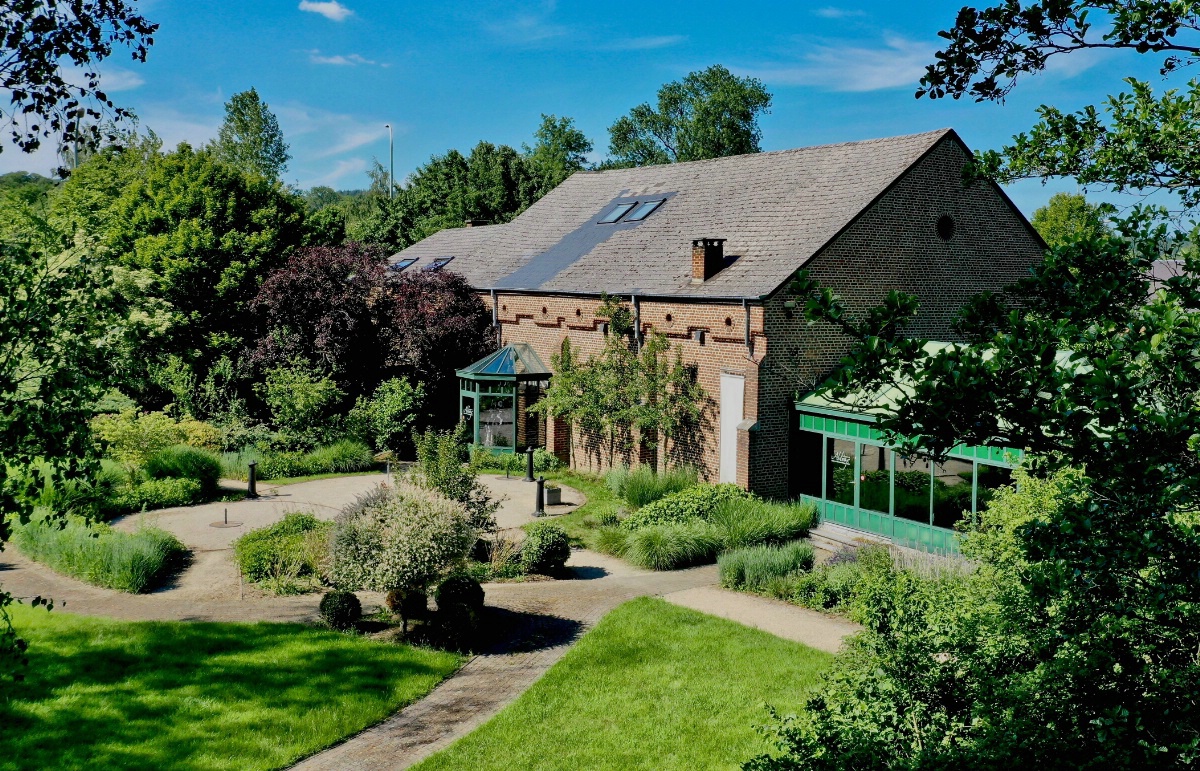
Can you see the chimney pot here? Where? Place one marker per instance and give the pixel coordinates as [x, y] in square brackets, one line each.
[708, 257]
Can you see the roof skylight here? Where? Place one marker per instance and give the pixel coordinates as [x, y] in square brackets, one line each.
[402, 264]
[617, 213]
[645, 210]
[438, 264]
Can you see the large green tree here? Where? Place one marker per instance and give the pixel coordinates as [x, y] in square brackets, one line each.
[250, 139]
[559, 150]
[491, 184]
[201, 236]
[709, 114]
[1074, 643]
[1068, 217]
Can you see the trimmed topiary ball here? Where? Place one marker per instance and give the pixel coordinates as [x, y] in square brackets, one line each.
[341, 609]
[545, 549]
[459, 590]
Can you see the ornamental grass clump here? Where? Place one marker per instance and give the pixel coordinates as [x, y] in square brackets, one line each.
[672, 546]
[400, 541]
[642, 485]
[748, 521]
[755, 567]
[183, 462]
[128, 562]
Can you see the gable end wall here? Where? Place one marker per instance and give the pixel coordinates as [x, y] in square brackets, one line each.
[893, 245]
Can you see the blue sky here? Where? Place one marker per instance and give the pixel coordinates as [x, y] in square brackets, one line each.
[448, 74]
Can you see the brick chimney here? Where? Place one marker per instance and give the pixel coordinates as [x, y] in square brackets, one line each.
[708, 257]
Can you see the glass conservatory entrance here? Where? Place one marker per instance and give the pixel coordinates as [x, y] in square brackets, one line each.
[840, 463]
[495, 393]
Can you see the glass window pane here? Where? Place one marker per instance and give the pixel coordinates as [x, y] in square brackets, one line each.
[951, 492]
[402, 264]
[496, 427]
[839, 468]
[643, 211]
[617, 213]
[804, 473]
[875, 480]
[990, 478]
[912, 487]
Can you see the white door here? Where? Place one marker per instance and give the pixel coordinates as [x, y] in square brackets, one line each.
[733, 391]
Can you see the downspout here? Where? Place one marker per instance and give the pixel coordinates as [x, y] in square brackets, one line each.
[748, 341]
[496, 317]
[637, 321]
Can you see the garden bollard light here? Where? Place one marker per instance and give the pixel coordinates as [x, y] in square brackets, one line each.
[253, 491]
[540, 510]
[528, 464]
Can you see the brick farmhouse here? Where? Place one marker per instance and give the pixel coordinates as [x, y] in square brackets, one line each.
[703, 252]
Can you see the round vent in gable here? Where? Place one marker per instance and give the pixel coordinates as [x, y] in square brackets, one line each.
[945, 227]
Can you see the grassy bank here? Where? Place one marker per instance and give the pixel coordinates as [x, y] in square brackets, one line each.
[125, 695]
[653, 686]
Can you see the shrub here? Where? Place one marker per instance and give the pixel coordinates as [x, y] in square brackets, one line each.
[386, 419]
[749, 521]
[440, 467]
[131, 437]
[484, 459]
[281, 465]
[158, 494]
[341, 610]
[344, 457]
[301, 404]
[89, 499]
[698, 502]
[281, 554]
[183, 462]
[128, 562]
[400, 539]
[827, 587]
[546, 548]
[643, 485]
[754, 567]
[459, 590]
[672, 545]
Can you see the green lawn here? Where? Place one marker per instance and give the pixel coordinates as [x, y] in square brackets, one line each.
[102, 694]
[653, 686]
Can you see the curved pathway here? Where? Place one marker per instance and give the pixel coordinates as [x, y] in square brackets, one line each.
[533, 623]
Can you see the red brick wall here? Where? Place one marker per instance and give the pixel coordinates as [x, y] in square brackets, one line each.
[723, 349]
[894, 245]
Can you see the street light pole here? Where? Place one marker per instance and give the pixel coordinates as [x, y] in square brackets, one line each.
[391, 163]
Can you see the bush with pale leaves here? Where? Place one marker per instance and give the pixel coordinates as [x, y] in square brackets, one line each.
[406, 538]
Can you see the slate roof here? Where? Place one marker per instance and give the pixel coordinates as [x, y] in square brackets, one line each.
[775, 210]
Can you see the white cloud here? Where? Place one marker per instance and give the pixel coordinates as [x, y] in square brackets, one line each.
[526, 29]
[330, 9]
[832, 12]
[112, 79]
[645, 43]
[339, 172]
[341, 60]
[844, 66]
[325, 134]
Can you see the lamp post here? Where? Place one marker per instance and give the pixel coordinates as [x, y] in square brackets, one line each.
[391, 163]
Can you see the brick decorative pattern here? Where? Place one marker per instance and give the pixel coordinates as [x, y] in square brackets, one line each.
[895, 244]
